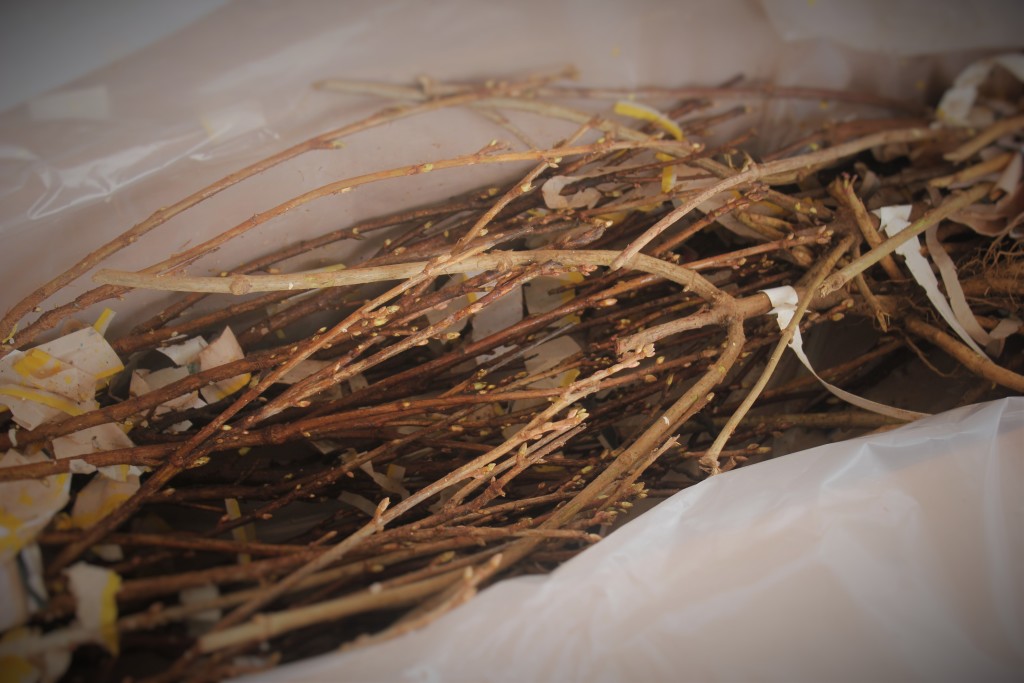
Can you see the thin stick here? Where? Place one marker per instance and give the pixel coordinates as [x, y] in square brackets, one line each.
[972, 173]
[494, 260]
[943, 211]
[967, 357]
[193, 448]
[710, 458]
[842, 190]
[985, 138]
[728, 92]
[517, 190]
[572, 394]
[271, 625]
[326, 140]
[765, 171]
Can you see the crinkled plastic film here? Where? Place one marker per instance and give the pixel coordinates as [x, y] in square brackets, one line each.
[896, 556]
[104, 152]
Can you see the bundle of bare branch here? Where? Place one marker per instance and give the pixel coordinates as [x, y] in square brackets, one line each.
[211, 488]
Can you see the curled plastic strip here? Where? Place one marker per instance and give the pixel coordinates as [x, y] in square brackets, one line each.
[893, 220]
[784, 300]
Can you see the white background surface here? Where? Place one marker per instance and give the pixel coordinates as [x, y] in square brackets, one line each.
[47, 43]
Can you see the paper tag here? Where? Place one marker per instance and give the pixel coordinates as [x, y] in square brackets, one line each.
[784, 301]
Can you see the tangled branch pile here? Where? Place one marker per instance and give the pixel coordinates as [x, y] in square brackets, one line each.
[216, 486]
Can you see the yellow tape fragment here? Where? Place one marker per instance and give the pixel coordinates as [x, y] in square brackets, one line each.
[635, 110]
[103, 321]
[108, 612]
[243, 534]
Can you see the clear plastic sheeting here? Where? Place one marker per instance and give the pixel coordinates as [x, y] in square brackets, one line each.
[900, 28]
[896, 556]
[104, 152]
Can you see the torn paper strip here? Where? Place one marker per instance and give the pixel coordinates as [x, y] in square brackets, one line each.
[894, 219]
[28, 505]
[784, 301]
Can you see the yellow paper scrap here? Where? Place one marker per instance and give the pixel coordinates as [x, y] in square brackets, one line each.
[668, 173]
[14, 669]
[87, 350]
[56, 378]
[668, 179]
[28, 505]
[95, 590]
[224, 349]
[26, 656]
[33, 407]
[100, 497]
[243, 534]
[105, 437]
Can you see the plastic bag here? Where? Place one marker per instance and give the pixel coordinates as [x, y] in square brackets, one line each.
[895, 556]
[105, 152]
